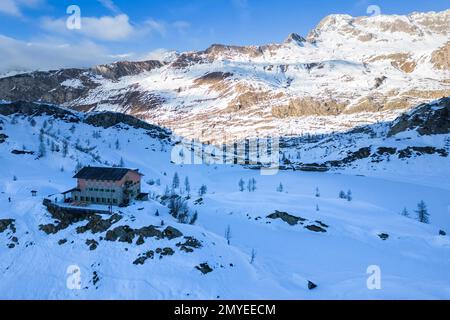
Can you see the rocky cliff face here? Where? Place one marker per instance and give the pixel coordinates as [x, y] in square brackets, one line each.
[348, 71]
[427, 119]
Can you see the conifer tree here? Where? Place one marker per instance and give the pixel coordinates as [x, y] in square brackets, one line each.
[422, 212]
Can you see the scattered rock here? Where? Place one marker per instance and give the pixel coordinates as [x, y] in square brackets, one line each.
[3, 137]
[62, 241]
[172, 233]
[95, 278]
[51, 228]
[140, 241]
[22, 152]
[322, 224]
[92, 244]
[383, 236]
[7, 224]
[186, 249]
[189, 245]
[315, 228]
[149, 232]
[142, 258]
[286, 217]
[442, 233]
[311, 285]
[122, 234]
[204, 268]
[140, 261]
[198, 201]
[127, 234]
[165, 252]
[97, 225]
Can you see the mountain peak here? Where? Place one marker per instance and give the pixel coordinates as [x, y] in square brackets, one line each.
[418, 24]
[294, 38]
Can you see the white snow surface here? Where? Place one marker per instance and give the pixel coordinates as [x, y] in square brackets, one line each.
[414, 260]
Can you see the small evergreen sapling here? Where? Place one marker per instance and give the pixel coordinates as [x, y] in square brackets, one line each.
[405, 212]
[422, 212]
[175, 181]
[228, 234]
[241, 185]
[280, 188]
[187, 186]
[349, 195]
[317, 193]
[202, 191]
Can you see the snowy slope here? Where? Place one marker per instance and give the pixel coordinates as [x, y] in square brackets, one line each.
[418, 139]
[414, 260]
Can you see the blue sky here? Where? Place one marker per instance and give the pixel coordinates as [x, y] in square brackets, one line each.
[137, 27]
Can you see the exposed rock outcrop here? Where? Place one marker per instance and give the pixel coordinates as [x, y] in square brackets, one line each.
[7, 224]
[286, 217]
[306, 107]
[204, 268]
[117, 70]
[441, 58]
[110, 119]
[427, 119]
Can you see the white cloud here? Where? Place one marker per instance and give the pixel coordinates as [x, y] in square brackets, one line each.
[152, 25]
[12, 7]
[9, 7]
[104, 28]
[181, 26]
[110, 5]
[17, 55]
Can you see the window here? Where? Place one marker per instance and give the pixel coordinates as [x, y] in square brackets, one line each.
[92, 199]
[101, 190]
[76, 198]
[96, 190]
[98, 199]
[103, 200]
[82, 198]
[115, 201]
[109, 200]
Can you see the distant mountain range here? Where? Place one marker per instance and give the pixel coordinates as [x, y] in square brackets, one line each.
[349, 71]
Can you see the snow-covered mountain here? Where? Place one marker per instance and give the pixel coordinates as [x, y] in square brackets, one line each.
[347, 72]
[361, 108]
[293, 232]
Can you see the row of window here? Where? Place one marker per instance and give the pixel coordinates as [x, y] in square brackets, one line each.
[96, 200]
[102, 190]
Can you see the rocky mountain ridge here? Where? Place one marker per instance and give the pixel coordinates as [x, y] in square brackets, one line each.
[349, 71]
